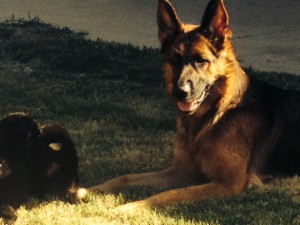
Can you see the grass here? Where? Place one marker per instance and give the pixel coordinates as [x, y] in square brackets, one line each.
[110, 98]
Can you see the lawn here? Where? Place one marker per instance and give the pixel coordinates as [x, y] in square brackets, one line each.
[111, 99]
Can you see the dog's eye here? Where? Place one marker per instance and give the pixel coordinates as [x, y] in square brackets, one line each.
[197, 59]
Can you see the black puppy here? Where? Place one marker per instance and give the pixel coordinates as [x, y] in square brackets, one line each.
[17, 134]
[6, 212]
[35, 162]
[53, 163]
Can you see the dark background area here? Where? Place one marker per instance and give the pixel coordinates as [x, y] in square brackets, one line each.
[266, 32]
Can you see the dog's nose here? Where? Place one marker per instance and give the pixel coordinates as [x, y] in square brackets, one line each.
[184, 89]
[185, 86]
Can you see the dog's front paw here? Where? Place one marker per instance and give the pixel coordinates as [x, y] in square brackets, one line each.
[130, 208]
[77, 195]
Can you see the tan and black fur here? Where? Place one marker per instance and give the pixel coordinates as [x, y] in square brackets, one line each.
[231, 129]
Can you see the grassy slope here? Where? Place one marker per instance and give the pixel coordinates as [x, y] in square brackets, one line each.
[109, 97]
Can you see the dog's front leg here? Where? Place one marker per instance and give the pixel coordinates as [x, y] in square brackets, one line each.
[190, 194]
[164, 178]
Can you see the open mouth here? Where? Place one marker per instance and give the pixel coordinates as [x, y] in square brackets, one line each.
[191, 106]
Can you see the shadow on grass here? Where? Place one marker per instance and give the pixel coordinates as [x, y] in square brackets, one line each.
[270, 207]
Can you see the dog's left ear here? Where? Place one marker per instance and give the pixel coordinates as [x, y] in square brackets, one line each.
[215, 19]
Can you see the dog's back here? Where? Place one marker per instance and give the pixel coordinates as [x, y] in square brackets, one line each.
[279, 153]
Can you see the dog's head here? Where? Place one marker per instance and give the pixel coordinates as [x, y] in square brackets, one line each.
[194, 56]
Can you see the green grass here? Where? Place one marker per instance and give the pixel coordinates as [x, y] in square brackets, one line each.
[110, 98]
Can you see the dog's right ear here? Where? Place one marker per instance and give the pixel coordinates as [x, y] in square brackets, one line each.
[216, 19]
[168, 23]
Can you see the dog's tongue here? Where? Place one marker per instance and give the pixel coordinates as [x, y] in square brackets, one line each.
[186, 106]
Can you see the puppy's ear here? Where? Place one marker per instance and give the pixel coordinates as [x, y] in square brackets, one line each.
[216, 19]
[168, 23]
[55, 146]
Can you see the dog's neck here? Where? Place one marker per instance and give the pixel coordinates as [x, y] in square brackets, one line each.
[236, 83]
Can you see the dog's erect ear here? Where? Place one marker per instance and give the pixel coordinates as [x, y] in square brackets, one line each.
[215, 19]
[168, 23]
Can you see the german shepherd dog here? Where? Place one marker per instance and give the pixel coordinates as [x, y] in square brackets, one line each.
[231, 129]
